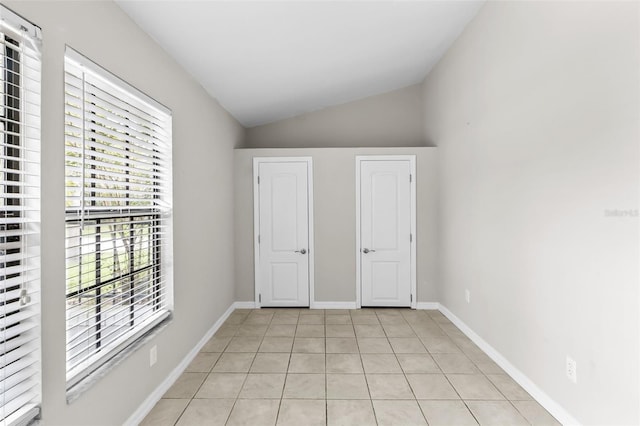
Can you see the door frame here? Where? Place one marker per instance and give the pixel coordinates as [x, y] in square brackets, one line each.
[412, 191]
[256, 221]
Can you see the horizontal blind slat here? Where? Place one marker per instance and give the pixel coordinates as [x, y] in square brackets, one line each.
[15, 367]
[106, 313]
[15, 281]
[74, 175]
[147, 164]
[17, 348]
[117, 334]
[82, 85]
[19, 396]
[99, 97]
[110, 169]
[109, 332]
[105, 138]
[94, 125]
[20, 376]
[18, 328]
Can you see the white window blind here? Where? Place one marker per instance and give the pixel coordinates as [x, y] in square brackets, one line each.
[118, 215]
[19, 219]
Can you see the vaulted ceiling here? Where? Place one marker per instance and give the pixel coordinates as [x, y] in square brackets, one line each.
[269, 60]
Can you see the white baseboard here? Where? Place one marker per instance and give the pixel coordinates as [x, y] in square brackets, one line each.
[428, 305]
[538, 394]
[244, 305]
[156, 395]
[314, 305]
[333, 305]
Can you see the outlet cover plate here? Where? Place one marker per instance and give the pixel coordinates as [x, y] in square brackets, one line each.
[572, 369]
[153, 355]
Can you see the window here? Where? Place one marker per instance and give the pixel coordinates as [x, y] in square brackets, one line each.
[118, 215]
[19, 219]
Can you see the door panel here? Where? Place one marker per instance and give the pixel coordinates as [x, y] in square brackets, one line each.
[283, 233]
[385, 220]
[384, 211]
[283, 218]
[282, 275]
[384, 281]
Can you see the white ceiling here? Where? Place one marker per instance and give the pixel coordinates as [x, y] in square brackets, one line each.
[269, 60]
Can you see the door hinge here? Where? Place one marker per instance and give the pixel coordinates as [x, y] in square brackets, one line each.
[260, 298]
[410, 238]
[410, 178]
[411, 298]
[258, 180]
[258, 239]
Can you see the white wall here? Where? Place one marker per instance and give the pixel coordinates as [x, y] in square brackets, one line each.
[204, 136]
[389, 119]
[535, 114]
[335, 219]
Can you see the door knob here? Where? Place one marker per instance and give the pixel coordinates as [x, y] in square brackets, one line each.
[366, 250]
[303, 251]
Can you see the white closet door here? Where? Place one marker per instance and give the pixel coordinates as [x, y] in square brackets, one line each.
[284, 234]
[385, 220]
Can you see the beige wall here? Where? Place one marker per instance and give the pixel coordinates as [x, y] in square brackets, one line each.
[389, 119]
[535, 113]
[335, 219]
[204, 136]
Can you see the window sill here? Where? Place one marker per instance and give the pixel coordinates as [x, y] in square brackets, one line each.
[87, 383]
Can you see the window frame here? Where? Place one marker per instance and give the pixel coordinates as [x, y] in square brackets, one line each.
[90, 213]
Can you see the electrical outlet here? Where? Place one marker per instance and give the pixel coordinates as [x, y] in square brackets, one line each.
[153, 355]
[571, 370]
[467, 296]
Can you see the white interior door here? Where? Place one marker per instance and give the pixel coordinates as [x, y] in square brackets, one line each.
[385, 232]
[283, 236]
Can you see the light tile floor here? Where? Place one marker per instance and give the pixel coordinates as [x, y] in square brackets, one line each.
[339, 367]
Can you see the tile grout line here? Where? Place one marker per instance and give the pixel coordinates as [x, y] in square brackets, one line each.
[485, 375]
[451, 384]
[373, 409]
[245, 379]
[326, 378]
[439, 368]
[407, 379]
[286, 373]
[208, 374]
[448, 330]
